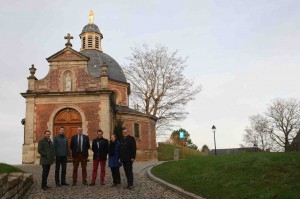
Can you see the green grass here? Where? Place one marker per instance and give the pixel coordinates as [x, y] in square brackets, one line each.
[6, 168]
[245, 175]
[166, 152]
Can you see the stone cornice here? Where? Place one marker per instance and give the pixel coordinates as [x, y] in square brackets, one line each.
[71, 93]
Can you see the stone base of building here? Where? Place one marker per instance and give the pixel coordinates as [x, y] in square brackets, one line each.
[29, 153]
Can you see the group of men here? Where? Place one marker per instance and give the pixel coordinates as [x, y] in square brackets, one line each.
[80, 145]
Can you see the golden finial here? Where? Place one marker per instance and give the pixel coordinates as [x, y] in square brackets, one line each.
[91, 17]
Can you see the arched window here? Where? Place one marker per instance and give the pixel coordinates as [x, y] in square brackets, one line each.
[136, 130]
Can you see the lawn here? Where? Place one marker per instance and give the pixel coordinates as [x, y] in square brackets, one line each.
[245, 175]
[6, 168]
[166, 152]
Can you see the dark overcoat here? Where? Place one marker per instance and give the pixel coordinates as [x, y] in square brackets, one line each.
[46, 150]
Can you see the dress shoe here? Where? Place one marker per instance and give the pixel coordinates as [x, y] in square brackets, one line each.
[102, 183]
[114, 185]
[74, 184]
[48, 187]
[85, 184]
[65, 184]
[130, 187]
[58, 185]
[92, 184]
[44, 188]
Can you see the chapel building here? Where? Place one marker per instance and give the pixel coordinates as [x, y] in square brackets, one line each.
[85, 89]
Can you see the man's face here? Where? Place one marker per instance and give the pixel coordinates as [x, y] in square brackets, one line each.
[61, 130]
[47, 135]
[125, 132]
[79, 130]
[100, 134]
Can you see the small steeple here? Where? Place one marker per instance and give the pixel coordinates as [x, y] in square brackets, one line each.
[91, 17]
[91, 36]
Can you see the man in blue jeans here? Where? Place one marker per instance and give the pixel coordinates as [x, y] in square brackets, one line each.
[61, 151]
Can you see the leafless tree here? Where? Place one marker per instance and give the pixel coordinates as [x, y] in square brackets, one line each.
[158, 84]
[284, 118]
[258, 134]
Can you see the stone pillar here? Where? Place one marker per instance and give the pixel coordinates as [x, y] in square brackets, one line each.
[105, 117]
[176, 154]
[29, 146]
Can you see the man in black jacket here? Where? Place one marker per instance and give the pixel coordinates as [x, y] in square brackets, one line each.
[80, 145]
[127, 156]
[100, 149]
[46, 151]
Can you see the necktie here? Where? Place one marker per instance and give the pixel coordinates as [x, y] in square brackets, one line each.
[79, 150]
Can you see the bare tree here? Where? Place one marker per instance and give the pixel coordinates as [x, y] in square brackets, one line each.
[258, 134]
[159, 86]
[284, 118]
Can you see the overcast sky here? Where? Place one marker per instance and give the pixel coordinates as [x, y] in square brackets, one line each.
[243, 53]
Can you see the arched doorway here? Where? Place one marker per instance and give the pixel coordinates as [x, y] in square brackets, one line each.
[71, 120]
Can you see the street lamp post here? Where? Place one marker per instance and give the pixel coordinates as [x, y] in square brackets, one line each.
[213, 128]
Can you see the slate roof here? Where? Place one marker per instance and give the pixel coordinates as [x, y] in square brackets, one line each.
[91, 28]
[97, 58]
[126, 109]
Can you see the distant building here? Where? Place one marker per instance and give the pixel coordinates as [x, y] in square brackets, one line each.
[85, 89]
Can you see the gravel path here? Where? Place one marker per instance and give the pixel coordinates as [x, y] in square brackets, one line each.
[143, 187]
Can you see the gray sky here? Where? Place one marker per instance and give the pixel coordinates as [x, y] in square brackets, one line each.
[243, 53]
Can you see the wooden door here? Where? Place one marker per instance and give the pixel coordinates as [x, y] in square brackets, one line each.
[70, 119]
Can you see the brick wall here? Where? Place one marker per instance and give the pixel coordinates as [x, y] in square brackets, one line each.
[44, 111]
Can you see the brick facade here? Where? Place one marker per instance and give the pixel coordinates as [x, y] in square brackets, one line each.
[69, 85]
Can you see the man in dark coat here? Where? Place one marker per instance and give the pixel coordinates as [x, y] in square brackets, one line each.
[61, 150]
[46, 150]
[100, 149]
[80, 145]
[127, 156]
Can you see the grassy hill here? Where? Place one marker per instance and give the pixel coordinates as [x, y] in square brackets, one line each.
[166, 152]
[6, 168]
[237, 176]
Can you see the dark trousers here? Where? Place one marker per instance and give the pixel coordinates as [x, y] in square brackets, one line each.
[60, 160]
[128, 171]
[115, 171]
[83, 161]
[45, 173]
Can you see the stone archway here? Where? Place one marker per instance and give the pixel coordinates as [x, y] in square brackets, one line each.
[70, 119]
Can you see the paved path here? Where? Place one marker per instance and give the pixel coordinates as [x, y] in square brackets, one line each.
[143, 187]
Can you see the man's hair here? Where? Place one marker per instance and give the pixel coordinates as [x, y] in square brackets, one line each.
[47, 131]
[114, 135]
[100, 131]
[61, 127]
[124, 128]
